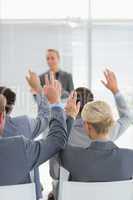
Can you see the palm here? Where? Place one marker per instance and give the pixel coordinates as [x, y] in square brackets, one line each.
[111, 81]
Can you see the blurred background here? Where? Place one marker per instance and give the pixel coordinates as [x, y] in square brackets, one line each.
[90, 36]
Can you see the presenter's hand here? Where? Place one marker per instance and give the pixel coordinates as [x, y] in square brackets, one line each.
[72, 107]
[34, 82]
[52, 89]
[110, 81]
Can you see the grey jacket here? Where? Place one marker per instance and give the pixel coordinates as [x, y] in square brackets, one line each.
[78, 137]
[18, 155]
[30, 128]
[100, 162]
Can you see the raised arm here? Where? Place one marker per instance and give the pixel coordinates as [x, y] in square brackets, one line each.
[40, 151]
[125, 117]
[40, 123]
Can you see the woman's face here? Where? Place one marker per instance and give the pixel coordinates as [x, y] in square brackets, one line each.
[52, 60]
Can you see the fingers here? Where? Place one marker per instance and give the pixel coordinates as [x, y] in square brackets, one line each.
[71, 95]
[30, 71]
[28, 80]
[57, 86]
[78, 106]
[52, 79]
[75, 97]
[103, 82]
[106, 75]
[109, 76]
[47, 83]
[113, 75]
[28, 77]
[31, 74]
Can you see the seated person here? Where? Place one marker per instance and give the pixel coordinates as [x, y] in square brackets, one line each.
[24, 125]
[102, 160]
[23, 155]
[78, 137]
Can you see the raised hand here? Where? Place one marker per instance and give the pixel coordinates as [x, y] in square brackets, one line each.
[72, 107]
[52, 89]
[111, 81]
[34, 82]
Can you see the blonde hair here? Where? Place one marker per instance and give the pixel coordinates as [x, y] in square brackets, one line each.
[55, 51]
[2, 103]
[99, 114]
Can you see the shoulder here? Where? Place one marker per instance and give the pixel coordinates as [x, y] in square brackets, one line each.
[43, 74]
[20, 120]
[125, 154]
[125, 151]
[64, 73]
[22, 123]
[14, 142]
[72, 151]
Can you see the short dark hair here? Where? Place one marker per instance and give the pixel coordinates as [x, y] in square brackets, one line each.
[84, 95]
[10, 98]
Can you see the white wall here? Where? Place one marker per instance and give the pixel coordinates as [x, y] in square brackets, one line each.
[23, 46]
[112, 46]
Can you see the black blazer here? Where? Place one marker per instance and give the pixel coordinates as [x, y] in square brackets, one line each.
[64, 78]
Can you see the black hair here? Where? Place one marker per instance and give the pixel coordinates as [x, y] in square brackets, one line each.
[84, 95]
[10, 98]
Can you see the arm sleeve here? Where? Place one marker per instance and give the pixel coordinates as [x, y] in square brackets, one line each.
[41, 122]
[69, 122]
[125, 117]
[38, 152]
[55, 161]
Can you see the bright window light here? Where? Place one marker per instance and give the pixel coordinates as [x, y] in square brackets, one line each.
[112, 9]
[43, 9]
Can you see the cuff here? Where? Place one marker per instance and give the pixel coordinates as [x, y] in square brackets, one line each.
[117, 94]
[57, 105]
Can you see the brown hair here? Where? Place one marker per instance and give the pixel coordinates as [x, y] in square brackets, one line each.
[10, 98]
[55, 51]
[84, 95]
[2, 103]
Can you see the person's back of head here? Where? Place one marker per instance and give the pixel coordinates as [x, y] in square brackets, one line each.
[84, 95]
[10, 98]
[98, 119]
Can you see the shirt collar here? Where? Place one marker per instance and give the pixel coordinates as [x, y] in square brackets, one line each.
[103, 145]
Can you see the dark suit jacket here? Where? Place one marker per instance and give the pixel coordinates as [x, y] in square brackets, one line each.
[18, 155]
[101, 162]
[64, 78]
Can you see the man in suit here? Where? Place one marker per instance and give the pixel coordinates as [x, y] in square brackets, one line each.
[53, 59]
[102, 160]
[25, 125]
[18, 155]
